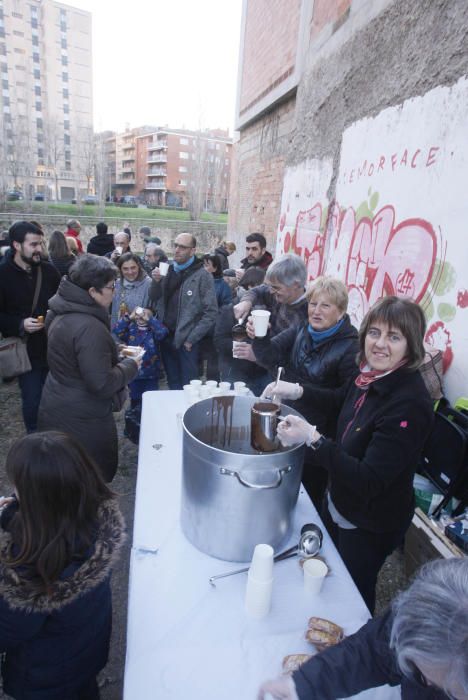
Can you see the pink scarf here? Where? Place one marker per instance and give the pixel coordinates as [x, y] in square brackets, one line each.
[369, 376]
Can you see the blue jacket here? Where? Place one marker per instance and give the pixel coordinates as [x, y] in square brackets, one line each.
[53, 644]
[147, 338]
[223, 292]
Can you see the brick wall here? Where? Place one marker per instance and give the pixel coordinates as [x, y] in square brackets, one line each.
[270, 43]
[327, 12]
[257, 175]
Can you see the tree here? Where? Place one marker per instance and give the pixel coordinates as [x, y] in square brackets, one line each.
[197, 176]
[17, 151]
[54, 148]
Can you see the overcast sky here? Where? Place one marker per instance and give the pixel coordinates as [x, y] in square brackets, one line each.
[164, 62]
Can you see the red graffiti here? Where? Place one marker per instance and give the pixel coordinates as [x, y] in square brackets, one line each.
[462, 299]
[375, 257]
[439, 337]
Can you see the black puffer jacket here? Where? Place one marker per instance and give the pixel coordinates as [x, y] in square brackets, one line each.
[53, 644]
[329, 364]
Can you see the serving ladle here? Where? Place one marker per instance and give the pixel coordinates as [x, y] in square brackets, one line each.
[309, 545]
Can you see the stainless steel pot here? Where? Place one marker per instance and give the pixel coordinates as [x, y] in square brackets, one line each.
[234, 497]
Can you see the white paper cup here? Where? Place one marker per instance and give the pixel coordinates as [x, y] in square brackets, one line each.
[239, 385]
[163, 268]
[118, 249]
[196, 382]
[261, 568]
[211, 383]
[242, 391]
[216, 391]
[315, 571]
[258, 597]
[235, 345]
[260, 319]
[225, 386]
[205, 392]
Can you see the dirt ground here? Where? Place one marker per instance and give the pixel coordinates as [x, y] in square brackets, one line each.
[392, 577]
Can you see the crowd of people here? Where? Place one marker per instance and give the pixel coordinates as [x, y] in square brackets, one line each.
[366, 416]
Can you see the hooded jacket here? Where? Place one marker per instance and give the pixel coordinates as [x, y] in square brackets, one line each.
[54, 643]
[101, 244]
[84, 375]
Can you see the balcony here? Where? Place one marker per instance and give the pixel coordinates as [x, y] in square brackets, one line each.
[157, 158]
[156, 171]
[155, 185]
[157, 145]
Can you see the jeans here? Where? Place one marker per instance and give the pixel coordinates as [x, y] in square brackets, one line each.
[363, 553]
[181, 365]
[31, 384]
[139, 386]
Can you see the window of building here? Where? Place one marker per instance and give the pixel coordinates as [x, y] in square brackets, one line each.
[63, 26]
[40, 153]
[18, 15]
[35, 57]
[66, 139]
[65, 77]
[183, 142]
[182, 169]
[64, 61]
[183, 183]
[217, 146]
[35, 41]
[6, 99]
[226, 161]
[5, 84]
[37, 73]
[183, 155]
[40, 137]
[6, 108]
[38, 106]
[65, 92]
[16, 50]
[39, 123]
[17, 33]
[2, 50]
[37, 90]
[63, 43]
[66, 109]
[34, 23]
[66, 124]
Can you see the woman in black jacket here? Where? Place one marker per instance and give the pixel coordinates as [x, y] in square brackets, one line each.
[59, 540]
[384, 418]
[59, 253]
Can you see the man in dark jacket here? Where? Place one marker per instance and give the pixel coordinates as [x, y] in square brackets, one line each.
[185, 302]
[420, 644]
[257, 254]
[18, 278]
[103, 243]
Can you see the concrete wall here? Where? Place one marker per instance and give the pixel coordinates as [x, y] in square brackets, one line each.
[375, 158]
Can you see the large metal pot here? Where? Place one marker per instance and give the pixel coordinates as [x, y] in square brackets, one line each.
[234, 497]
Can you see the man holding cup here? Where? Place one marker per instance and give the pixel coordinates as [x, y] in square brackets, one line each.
[184, 297]
[122, 245]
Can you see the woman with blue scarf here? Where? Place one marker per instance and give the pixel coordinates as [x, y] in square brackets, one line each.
[320, 352]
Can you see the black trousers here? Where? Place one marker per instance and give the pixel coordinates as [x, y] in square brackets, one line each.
[363, 553]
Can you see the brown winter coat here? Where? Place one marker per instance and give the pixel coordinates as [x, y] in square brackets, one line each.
[84, 375]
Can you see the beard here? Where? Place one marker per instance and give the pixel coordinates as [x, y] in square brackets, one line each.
[33, 260]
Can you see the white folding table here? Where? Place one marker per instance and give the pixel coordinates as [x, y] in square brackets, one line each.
[186, 639]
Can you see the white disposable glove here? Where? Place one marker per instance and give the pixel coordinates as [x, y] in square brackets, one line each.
[281, 688]
[294, 430]
[282, 390]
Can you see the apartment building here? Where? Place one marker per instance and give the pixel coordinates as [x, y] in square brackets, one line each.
[46, 129]
[169, 167]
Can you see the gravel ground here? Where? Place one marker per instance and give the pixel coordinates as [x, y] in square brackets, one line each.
[392, 577]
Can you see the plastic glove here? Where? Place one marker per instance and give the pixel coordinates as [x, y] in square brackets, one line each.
[294, 430]
[282, 390]
[282, 688]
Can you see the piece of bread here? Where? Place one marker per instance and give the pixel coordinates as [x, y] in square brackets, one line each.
[319, 623]
[292, 662]
[130, 351]
[40, 319]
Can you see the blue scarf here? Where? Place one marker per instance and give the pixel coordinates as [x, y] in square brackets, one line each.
[320, 336]
[184, 266]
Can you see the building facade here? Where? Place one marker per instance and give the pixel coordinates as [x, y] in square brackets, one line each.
[170, 167]
[353, 151]
[47, 142]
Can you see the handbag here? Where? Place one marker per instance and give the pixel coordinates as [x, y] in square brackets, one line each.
[14, 358]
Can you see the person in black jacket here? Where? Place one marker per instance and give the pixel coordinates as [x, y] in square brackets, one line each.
[59, 540]
[18, 277]
[321, 352]
[384, 418]
[59, 253]
[420, 644]
[103, 243]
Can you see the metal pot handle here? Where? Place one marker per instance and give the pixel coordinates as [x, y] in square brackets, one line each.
[259, 487]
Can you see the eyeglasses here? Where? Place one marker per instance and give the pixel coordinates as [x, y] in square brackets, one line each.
[112, 286]
[182, 247]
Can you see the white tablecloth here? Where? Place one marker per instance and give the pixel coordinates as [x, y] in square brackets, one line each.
[186, 639]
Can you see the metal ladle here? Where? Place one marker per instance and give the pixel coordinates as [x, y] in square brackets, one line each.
[309, 545]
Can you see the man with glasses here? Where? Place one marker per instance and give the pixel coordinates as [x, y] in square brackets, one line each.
[27, 282]
[185, 301]
[420, 643]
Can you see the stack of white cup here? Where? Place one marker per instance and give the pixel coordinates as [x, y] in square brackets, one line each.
[260, 582]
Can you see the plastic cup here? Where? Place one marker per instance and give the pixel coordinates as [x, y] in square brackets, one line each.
[163, 268]
[235, 345]
[315, 571]
[216, 391]
[224, 386]
[239, 385]
[242, 391]
[196, 383]
[261, 568]
[211, 383]
[258, 597]
[260, 319]
[118, 249]
[205, 392]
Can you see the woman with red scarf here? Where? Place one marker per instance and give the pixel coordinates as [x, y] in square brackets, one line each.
[384, 418]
